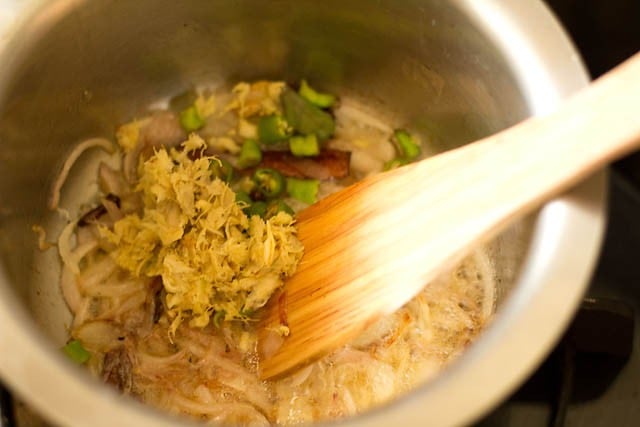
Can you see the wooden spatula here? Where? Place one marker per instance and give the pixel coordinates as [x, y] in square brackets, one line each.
[373, 246]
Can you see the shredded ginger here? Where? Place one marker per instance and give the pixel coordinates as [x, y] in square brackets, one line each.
[212, 258]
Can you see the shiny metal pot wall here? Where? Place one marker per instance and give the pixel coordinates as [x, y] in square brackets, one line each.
[454, 70]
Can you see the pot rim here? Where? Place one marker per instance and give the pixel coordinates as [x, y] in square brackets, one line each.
[561, 258]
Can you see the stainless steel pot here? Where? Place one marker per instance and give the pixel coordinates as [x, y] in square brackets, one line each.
[455, 70]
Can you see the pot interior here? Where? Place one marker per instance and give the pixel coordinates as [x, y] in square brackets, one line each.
[78, 73]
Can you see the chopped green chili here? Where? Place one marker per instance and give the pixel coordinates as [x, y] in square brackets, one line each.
[250, 154]
[190, 120]
[270, 182]
[257, 208]
[251, 207]
[221, 169]
[322, 100]
[395, 163]
[218, 318]
[272, 129]
[409, 149]
[305, 117]
[305, 190]
[76, 352]
[276, 206]
[243, 197]
[302, 146]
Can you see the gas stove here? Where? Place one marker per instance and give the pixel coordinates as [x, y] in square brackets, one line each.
[592, 378]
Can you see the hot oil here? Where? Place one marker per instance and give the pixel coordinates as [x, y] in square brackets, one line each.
[392, 357]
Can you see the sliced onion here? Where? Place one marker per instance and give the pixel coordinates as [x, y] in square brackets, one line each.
[71, 160]
[99, 335]
[130, 163]
[375, 334]
[64, 248]
[96, 273]
[221, 363]
[356, 115]
[300, 376]
[271, 342]
[157, 364]
[222, 412]
[349, 404]
[121, 290]
[130, 302]
[86, 234]
[249, 388]
[70, 290]
[111, 181]
[112, 209]
[83, 313]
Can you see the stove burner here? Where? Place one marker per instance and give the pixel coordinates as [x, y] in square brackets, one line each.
[589, 357]
[592, 353]
[6, 409]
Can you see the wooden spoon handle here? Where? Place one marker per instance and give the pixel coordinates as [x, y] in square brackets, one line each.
[372, 247]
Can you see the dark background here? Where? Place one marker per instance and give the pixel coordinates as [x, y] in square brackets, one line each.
[605, 31]
[592, 379]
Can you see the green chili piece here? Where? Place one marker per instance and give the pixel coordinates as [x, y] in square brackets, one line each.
[305, 190]
[218, 318]
[257, 208]
[270, 182]
[395, 163]
[243, 197]
[250, 154]
[306, 118]
[221, 169]
[304, 146]
[76, 352]
[272, 129]
[409, 148]
[276, 206]
[190, 120]
[322, 100]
